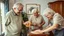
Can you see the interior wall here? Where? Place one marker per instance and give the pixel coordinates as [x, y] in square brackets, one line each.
[11, 3]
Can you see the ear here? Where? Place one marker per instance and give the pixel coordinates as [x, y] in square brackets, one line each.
[14, 8]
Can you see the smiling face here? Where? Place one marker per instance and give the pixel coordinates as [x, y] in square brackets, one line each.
[36, 14]
[49, 16]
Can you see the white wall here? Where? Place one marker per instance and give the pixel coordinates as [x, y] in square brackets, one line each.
[11, 3]
[43, 3]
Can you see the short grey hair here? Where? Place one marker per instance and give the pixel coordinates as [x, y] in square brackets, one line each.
[48, 11]
[35, 10]
[16, 5]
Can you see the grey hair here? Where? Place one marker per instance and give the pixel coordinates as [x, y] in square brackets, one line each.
[35, 10]
[48, 11]
[16, 5]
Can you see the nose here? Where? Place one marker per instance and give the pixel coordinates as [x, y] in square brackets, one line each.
[47, 16]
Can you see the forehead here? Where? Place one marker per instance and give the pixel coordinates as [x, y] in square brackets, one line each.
[20, 6]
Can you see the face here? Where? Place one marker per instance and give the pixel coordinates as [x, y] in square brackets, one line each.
[36, 14]
[49, 16]
[19, 9]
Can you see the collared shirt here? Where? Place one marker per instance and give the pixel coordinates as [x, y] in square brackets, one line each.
[13, 23]
[58, 19]
[36, 20]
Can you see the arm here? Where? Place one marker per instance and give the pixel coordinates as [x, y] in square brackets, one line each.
[42, 22]
[7, 20]
[55, 26]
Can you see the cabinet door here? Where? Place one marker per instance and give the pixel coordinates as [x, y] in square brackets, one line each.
[56, 6]
[63, 9]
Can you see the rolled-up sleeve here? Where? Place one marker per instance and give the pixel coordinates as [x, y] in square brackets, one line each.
[57, 20]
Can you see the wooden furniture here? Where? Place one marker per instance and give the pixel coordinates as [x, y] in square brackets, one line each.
[51, 33]
[60, 0]
[38, 34]
[57, 6]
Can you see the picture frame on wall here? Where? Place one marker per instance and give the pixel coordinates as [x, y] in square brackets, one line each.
[30, 7]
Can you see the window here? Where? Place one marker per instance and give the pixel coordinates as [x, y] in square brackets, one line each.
[0, 20]
[2, 27]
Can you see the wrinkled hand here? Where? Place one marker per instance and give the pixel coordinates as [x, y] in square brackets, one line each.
[36, 32]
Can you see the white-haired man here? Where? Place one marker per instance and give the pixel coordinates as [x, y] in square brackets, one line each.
[57, 23]
[13, 21]
[37, 20]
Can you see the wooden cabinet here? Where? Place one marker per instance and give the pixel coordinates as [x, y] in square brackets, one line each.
[57, 6]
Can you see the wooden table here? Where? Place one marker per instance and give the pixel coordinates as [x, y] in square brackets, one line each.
[38, 34]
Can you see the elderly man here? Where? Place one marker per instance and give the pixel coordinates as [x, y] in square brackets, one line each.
[57, 25]
[37, 20]
[13, 21]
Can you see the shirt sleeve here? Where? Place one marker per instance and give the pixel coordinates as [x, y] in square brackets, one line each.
[57, 20]
[7, 20]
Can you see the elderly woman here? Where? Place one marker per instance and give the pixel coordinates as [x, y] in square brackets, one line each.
[57, 23]
[36, 19]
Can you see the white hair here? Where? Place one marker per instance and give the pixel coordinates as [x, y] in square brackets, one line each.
[35, 10]
[48, 11]
[16, 5]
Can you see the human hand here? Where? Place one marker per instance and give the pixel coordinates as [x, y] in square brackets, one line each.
[27, 24]
[36, 32]
[39, 26]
